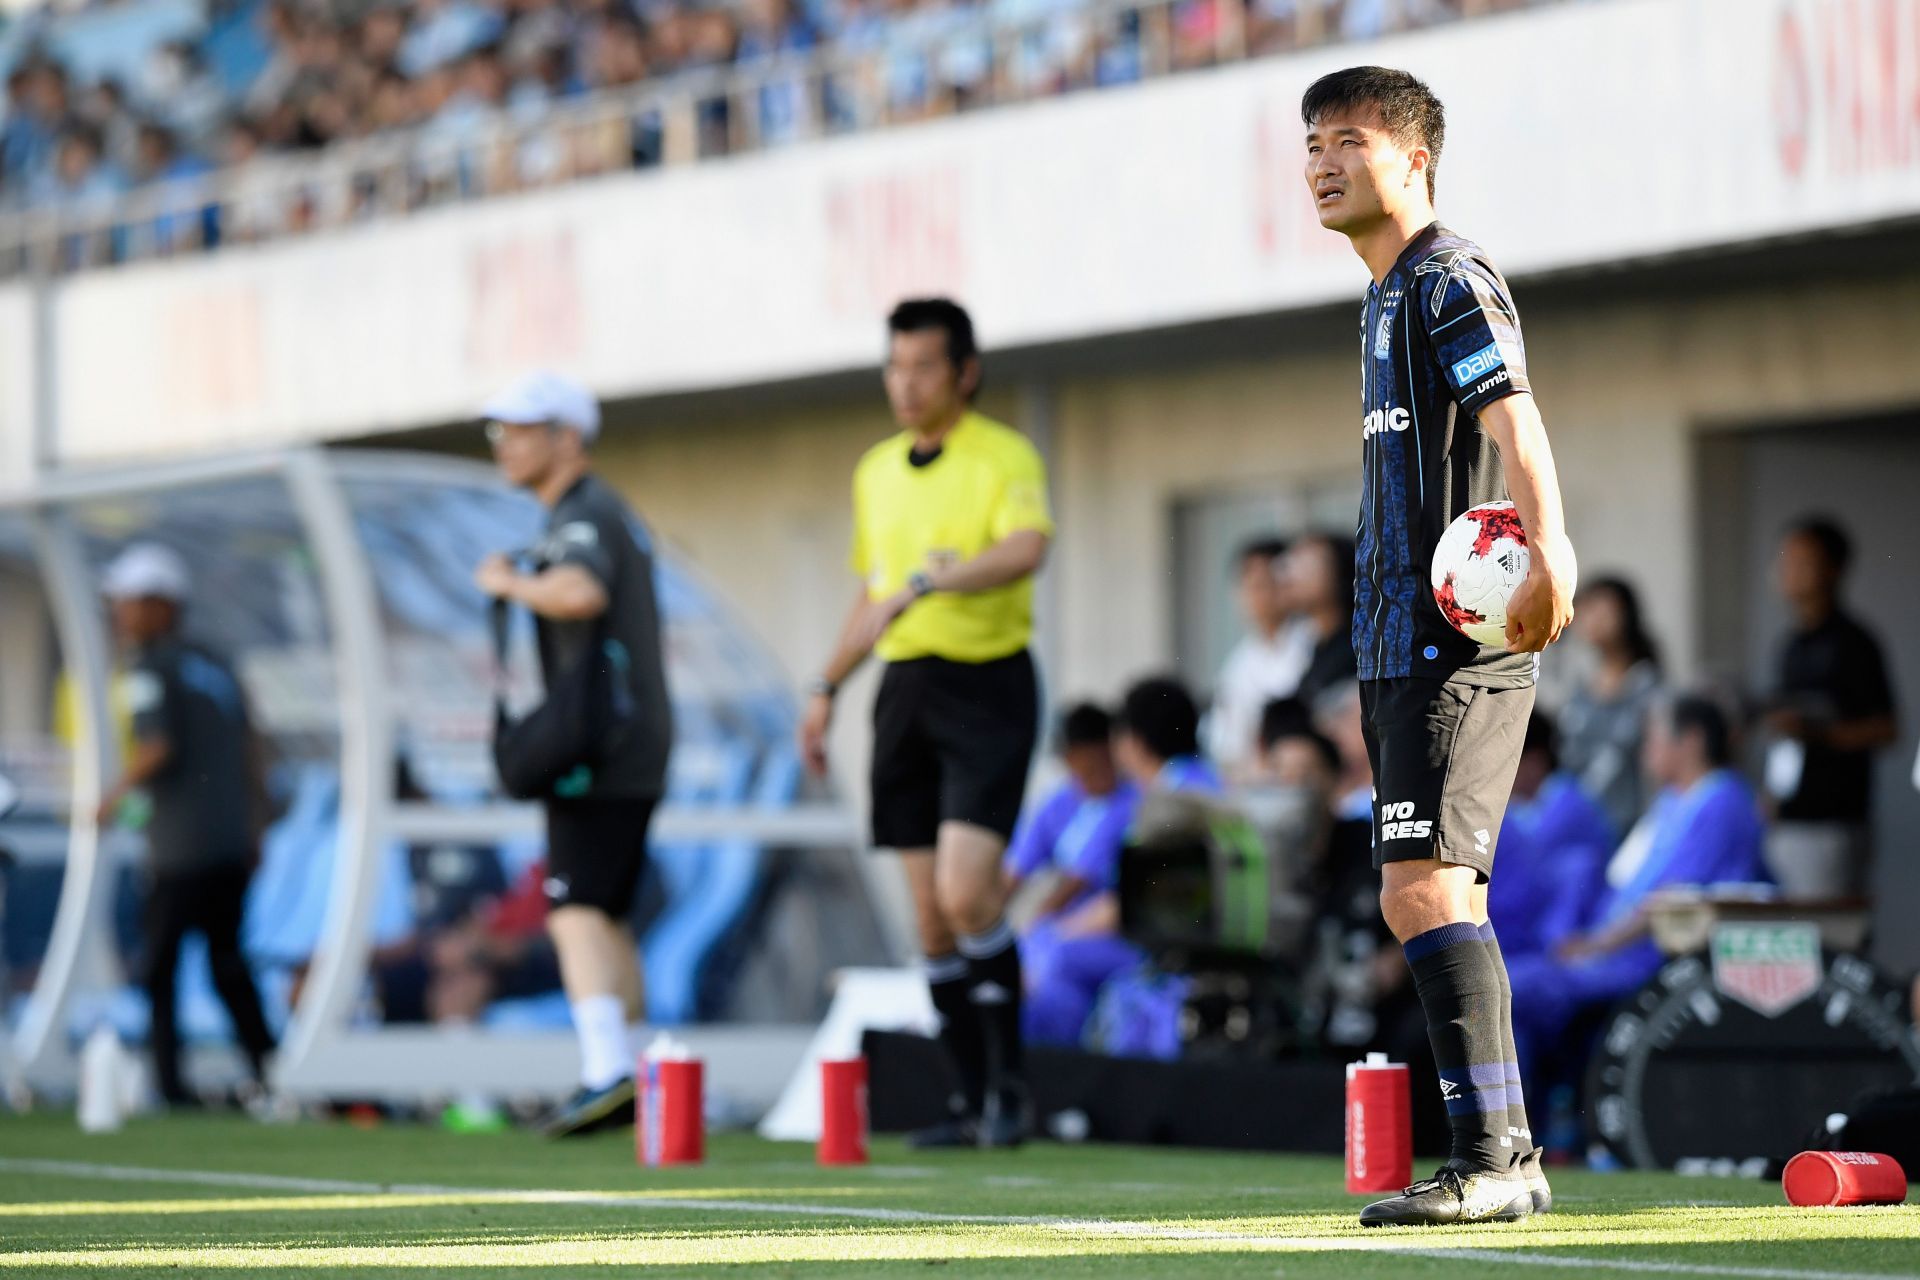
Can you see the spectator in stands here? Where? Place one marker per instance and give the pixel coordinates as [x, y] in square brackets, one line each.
[1554, 846]
[1704, 828]
[1156, 739]
[196, 758]
[772, 33]
[1320, 570]
[83, 187]
[1266, 664]
[186, 219]
[1603, 723]
[1832, 710]
[36, 110]
[1071, 947]
[182, 92]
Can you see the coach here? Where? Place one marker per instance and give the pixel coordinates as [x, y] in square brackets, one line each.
[592, 596]
[950, 524]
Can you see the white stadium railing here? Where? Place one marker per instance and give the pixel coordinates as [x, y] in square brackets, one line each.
[680, 120]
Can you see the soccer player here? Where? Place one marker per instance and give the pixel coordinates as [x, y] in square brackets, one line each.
[950, 524]
[592, 577]
[1448, 421]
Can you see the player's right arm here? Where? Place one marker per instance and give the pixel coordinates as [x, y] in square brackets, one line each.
[1542, 605]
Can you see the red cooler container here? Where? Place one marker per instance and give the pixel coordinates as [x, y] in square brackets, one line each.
[1844, 1177]
[843, 1112]
[669, 1127]
[1379, 1126]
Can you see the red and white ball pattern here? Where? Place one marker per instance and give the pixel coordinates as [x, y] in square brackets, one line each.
[1482, 557]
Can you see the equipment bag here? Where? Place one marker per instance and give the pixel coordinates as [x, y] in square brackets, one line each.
[587, 710]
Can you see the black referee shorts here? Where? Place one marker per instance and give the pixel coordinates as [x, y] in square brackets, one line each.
[1444, 754]
[597, 852]
[952, 742]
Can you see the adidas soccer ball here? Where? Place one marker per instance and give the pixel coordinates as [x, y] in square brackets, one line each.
[1481, 558]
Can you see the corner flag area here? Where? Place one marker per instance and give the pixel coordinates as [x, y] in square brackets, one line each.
[209, 1196]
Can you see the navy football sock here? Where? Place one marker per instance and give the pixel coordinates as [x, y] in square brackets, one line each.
[1460, 990]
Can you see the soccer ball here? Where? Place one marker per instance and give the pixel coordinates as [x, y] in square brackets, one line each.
[1481, 558]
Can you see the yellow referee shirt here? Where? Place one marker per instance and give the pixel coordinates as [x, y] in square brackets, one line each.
[987, 482]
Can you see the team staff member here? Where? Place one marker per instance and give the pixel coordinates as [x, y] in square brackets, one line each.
[592, 582]
[950, 525]
[193, 754]
[1448, 421]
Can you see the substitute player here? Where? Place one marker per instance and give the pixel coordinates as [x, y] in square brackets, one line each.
[950, 524]
[1448, 421]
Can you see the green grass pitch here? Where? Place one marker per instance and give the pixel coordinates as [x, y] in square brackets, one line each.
[193, 1195]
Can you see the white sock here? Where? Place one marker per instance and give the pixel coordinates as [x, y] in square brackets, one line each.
[606, 1054]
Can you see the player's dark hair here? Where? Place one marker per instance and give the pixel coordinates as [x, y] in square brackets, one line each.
[1825, 532]
[1408, 110]
[1085, 724]
[1692, 713]
[1268, 547]
[1542, 736]
[918, 315]
[1283, 718]
[1633, 623]
[1161, 713]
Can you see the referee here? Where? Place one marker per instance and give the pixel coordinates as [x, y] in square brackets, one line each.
[950, 524]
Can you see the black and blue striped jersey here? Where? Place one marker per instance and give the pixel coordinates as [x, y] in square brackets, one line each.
[1439, 341]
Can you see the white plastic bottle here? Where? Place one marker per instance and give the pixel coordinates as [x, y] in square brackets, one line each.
[103, 1071]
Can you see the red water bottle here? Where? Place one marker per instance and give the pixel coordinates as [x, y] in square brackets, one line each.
[1844, 1177]
[668, 1124]
[1379, 1126]
[843, 1112]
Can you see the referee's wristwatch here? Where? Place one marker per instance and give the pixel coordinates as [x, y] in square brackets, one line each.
[823, 688]
[921, 584]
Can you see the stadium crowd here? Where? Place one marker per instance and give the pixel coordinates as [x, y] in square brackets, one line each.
[460, 97]
[1628, 786]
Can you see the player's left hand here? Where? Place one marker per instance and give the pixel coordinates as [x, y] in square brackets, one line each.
[1542, 605]
[495, 576]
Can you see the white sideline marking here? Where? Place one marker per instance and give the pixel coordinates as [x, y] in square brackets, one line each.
[1651, 1268]
[1090, 1226]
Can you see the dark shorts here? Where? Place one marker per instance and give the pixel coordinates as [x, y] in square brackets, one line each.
[596, 852]
[952, 742]
[1444, 755]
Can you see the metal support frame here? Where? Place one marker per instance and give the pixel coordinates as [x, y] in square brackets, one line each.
[366, 756]
[76, 951]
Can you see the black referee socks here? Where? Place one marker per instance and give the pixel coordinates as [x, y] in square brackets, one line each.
[994, 986]
[1517, 1127]
[948, 982]
[1460, 989]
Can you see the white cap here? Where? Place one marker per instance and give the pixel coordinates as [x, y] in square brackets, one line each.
[544, 396]
[147, 569]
